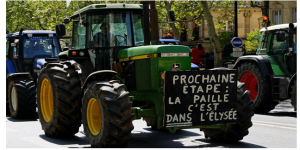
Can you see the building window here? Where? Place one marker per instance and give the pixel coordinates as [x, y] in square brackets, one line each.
[277, 17]
[295, 14]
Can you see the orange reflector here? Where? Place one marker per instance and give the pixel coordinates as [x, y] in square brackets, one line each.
[15, 56]
[74, 53]
[265, 18]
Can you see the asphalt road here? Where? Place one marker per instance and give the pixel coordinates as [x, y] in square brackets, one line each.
[277, 129]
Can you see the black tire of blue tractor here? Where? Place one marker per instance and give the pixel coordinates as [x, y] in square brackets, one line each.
[115, 108]
[236, 131]
[294, 95]
[65, 86]
[25, 102]
[263, 103]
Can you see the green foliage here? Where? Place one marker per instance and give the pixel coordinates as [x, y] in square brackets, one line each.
[42, 15]
[224, 38]
[45, 15]
[252, 43]
[191, 11]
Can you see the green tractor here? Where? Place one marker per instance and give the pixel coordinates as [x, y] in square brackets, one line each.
[123, 78]
[271, 75]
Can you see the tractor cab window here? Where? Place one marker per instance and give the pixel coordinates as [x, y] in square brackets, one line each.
[282, 46]
[16, 49]
[40, 46]
[264, 40]
[79, 33]
[109, 29]
[15, 52]
[138, 31]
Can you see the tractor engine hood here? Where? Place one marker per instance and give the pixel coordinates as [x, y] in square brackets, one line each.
[152, 49]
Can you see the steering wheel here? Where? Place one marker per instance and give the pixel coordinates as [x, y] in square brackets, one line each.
[121, 40]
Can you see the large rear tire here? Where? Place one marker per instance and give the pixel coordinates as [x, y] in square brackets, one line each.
[58, 92]
[294, 95]
[21, 98]
[259, 86]
[236, 131]
[106, 114]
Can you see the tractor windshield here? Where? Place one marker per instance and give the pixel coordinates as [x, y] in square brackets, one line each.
[40, 46]
[114, 29]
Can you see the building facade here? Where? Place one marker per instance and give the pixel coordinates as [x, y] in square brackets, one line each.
[281, 12]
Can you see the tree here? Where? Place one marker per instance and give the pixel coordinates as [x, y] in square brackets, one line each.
[253, 40]
[213, 35]
[39, 15]
[194, 13]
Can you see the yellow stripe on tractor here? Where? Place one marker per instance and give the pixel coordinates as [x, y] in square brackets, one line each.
[138, 57]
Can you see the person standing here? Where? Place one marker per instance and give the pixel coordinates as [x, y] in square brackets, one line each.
[169, 36]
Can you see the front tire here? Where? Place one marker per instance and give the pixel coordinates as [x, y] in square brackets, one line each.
[21, 98]
[106, 114]
[259, 87]
[237, 131]
[58, 92]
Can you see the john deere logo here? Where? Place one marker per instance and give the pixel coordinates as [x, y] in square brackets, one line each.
[176, 66]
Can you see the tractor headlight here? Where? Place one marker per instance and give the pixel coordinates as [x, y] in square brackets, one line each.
[162, 75]
[81, 53]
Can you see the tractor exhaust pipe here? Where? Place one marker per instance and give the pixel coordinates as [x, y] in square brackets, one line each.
[146, 23]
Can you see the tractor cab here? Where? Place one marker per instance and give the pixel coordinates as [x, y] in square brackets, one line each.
[274, 43]
[26, 51]
[103, 31]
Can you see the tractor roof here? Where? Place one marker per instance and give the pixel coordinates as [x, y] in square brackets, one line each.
[277, 27]
[31, 32]
[95, 7]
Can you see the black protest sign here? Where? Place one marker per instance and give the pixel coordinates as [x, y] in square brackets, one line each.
[203, 97]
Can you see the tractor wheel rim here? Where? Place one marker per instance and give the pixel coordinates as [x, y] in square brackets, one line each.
[94, 116]
[250, 84]
[46, 99]
[14, 98]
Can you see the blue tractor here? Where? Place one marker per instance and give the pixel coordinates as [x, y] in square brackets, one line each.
[25, 54]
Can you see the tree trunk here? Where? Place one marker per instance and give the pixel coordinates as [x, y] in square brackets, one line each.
[213, 36]
[172, 25]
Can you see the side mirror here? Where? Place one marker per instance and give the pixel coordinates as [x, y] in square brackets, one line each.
[200, 46]
[66, 20]
[280, 36]
[60, 30]
[172, 15]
